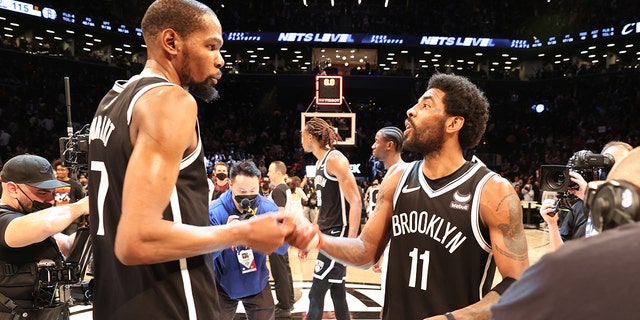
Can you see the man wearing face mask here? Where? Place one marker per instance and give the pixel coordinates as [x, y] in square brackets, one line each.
[241, 272]
[30, 232]
[220, 179]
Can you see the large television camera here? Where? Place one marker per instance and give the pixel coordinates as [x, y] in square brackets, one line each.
[555, 178]
[74, 150]
[65, 281]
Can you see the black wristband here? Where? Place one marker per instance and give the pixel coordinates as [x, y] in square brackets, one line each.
[449, 316]
[501, 287]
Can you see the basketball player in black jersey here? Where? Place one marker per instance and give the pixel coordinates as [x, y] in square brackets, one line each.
[149, 222]
[450, 221]
[339, 215]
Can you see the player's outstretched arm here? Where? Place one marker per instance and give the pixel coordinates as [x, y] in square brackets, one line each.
[364, 251]
[163, 133]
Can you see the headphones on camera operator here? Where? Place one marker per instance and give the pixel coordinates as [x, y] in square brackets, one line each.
[612, 203]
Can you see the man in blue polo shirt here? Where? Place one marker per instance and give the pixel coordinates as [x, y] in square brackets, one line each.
[241, 272]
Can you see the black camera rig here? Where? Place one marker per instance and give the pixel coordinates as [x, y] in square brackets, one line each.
[555, 178]
[59, 280]
[63, 281]
[74, 148]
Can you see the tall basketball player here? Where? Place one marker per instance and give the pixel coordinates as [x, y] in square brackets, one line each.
[149, 195]
[339, 214]
[450, 221]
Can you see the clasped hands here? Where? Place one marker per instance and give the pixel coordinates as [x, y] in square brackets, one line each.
[267, 232]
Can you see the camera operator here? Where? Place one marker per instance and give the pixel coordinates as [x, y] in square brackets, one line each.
[241, 273]
[575, 224]
[30, 233]
[590, 278]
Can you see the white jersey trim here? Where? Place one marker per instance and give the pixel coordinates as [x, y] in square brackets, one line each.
[403, 179]
[451, 185]
[487, 265]
[184, 270]
[324, 161]
[141, 92]
[476, 221]
[193, 156]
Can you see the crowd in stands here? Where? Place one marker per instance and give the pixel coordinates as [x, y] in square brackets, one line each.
[496, 19]
[582, 112]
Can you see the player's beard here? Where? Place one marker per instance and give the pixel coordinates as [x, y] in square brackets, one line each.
[427, 141]
[205, 91]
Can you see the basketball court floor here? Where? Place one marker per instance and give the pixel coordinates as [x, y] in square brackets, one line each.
[364, 296]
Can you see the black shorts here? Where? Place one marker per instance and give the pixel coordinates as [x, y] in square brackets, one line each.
[329, 269]
[326, 268]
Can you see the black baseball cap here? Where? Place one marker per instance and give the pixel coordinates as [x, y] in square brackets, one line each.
[31, 170]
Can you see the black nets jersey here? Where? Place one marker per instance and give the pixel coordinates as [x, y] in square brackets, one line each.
[440, 256]
[333, 207]
[181, 289]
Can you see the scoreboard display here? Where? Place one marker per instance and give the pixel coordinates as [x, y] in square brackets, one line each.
[329, 90]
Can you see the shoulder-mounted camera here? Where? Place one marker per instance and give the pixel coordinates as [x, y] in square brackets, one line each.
[555, 178]
[74, 150]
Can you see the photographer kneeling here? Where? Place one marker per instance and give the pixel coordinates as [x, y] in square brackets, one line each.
[30, 238]
[241, 272]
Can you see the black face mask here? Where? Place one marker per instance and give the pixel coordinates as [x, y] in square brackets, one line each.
[250, 197]
[35, 205]
[221, 176]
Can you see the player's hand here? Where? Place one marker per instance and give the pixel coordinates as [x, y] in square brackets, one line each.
[304, 236]
[302, 255]
[268, 232]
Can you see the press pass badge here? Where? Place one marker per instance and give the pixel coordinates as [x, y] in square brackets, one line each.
[246, 260]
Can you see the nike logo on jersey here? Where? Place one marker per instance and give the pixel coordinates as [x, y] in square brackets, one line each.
[406, 189]
[460, 197]
[334, 232]
[460, 201]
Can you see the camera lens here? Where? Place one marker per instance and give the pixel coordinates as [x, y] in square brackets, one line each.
[554, 178]
[557, 179]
